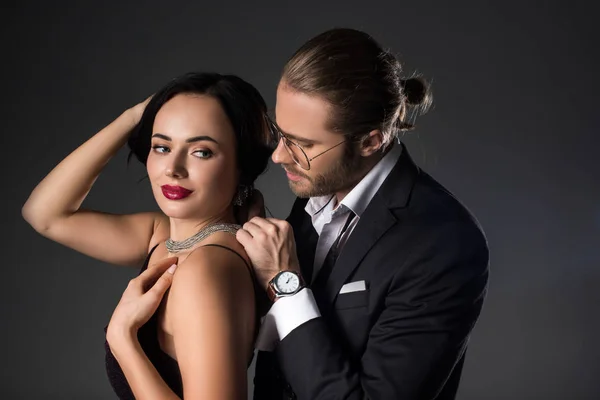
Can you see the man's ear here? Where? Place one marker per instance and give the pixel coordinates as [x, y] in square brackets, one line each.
[371, 143]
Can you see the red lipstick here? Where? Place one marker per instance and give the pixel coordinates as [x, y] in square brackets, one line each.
[175, 192]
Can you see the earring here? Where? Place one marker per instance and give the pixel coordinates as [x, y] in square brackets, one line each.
[242, 194]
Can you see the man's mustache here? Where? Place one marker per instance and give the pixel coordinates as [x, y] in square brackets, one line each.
[294, 172]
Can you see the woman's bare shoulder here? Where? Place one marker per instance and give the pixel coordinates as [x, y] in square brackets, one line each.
[213, 277]
[222, 262]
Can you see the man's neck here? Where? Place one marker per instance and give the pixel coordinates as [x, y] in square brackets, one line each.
[367, 165]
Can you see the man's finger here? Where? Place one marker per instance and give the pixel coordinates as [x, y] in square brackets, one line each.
[252, 228]
[265, 225]
[243, 237]
[280, 223]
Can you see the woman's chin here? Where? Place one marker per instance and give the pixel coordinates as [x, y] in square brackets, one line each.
[176, 211]
[192, 210]
[181, 212]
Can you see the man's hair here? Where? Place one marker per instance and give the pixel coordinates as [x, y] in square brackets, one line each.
[362, 83]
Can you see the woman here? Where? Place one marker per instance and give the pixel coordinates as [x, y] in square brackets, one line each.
[203, 139]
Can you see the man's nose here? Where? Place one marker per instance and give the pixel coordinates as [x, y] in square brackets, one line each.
[281, 155]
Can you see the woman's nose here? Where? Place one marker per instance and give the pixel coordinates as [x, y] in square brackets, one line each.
[176, 169]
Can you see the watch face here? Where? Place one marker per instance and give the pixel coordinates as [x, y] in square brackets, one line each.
[287, 282]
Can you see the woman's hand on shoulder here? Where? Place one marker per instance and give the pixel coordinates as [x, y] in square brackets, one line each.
[140, 300]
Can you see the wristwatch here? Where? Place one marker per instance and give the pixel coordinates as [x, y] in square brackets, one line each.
[285, 283]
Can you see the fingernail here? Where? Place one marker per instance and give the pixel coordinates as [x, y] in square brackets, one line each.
[172, 268]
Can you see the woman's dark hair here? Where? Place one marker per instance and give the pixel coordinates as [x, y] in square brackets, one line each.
[362, 82]
[243, 105]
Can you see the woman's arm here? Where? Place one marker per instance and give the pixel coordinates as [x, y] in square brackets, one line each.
[211, 309]
[53, 208]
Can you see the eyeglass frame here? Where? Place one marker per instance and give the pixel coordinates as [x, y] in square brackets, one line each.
[277, 134]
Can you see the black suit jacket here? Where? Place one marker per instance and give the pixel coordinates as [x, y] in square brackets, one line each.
[425, 262]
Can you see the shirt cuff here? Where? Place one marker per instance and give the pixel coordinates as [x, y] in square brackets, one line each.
[285, 315]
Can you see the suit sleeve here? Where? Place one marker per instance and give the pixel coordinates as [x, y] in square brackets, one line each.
[431, 307]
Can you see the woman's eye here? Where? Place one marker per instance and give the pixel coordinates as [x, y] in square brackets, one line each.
[203, 153]
[160, 149]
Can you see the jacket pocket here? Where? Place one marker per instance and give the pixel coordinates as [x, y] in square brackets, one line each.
[352, 300]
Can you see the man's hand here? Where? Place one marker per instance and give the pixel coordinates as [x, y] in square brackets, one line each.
[271, 247]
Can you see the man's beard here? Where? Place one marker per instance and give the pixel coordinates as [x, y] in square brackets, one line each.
[342, 176]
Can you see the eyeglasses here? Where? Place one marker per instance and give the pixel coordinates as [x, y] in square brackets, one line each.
[296, 152]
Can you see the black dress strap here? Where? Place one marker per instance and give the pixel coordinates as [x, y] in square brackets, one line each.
[250, 269]
[147, 261]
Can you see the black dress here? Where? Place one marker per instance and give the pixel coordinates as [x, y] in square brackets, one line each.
[167, 367]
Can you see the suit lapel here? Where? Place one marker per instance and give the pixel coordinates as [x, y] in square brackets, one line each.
[374, 222]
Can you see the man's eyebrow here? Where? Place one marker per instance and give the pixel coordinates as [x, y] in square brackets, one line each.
[294, 137]
[189, 140]
[299, 139]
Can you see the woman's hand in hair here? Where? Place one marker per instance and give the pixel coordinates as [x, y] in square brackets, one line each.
[137, 111]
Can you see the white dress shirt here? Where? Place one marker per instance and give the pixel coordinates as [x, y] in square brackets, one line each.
[328, 219]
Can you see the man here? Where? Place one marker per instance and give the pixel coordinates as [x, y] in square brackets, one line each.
[379, 274]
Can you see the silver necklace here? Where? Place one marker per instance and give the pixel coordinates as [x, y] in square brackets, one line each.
[175, 247]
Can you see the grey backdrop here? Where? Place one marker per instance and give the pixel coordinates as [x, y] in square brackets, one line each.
[513, 133]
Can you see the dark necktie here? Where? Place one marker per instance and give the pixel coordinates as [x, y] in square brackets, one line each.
[319, 284]
[306, 249]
